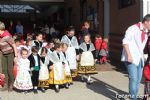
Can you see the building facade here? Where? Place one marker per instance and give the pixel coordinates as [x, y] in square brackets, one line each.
[110, 18]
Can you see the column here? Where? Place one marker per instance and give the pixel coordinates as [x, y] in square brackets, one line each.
[144, 8]
[106, 18]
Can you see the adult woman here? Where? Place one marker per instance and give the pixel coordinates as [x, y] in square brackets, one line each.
[8, 49]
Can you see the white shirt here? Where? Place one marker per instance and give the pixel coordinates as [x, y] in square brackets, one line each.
[36, 60]
[133, 39]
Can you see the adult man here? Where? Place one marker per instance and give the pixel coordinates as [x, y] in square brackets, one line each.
[19, 28]
[133, 45]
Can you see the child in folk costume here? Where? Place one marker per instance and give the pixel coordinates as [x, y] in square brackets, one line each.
[67, 66]
[23, 79]
[87, 61]
[44, 72]
[28, 45]
[56, 40]
[104, 51]
[38, 40]
[35, 67]
[57, 72]
[50, 47]
[72, 52]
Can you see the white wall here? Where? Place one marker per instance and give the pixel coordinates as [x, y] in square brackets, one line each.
[145, 7]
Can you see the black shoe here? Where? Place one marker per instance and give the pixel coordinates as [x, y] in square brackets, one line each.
[43, 90]
[57, 90]
[35, 91]
[67, 86]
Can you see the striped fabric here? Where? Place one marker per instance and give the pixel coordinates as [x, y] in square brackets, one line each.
[6, 44]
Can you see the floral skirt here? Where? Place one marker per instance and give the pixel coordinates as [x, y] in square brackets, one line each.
[43, 83]
[74, 73]
[87, 70]
[23, 80]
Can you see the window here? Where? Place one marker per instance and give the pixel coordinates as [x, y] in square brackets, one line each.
[125, 3]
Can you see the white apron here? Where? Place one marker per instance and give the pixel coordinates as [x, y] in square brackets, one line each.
[67, 68]
[71, 56]
[87, 59]
[43, 73]
[58, 71]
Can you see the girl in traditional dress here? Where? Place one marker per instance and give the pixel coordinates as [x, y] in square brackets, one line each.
[44, 72]
[23, 79]
[57, 72]
[87, 61]
[72, 52]
[35, 67]
[67, 66]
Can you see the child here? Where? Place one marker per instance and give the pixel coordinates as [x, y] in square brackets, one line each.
[98, 44]
[147, 79]
[35, 67]
[146, 71]
[27, 46]
[23, 79]
[50, 47]
[44, 72]
[15, 68]
[57, 73]
[73, 49]
[67, 67]
[56, 40]
[104, 51]
[18, 43]
[87, 61]
[38, 40]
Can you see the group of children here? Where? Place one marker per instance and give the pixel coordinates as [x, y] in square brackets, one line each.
[57, 62]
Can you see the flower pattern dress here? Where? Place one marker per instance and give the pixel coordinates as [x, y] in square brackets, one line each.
[23, 78]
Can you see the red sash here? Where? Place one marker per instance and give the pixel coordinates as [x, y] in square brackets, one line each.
[142, 34]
